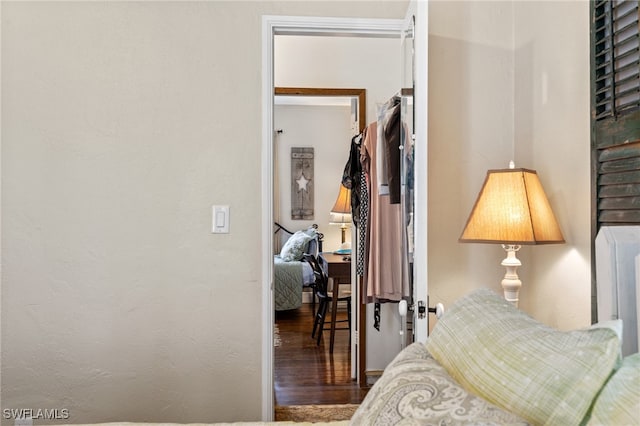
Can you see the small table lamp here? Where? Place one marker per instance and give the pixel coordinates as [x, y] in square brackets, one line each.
[341, 215]
[512, 209]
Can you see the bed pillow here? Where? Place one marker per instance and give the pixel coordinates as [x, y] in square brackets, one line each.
[311, 231]
[416, 390]
[619, 401]
[313, 246]
[295, 246]
[501, 354]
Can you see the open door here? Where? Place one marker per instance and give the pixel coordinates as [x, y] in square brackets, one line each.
[383, 342]
[414, 169]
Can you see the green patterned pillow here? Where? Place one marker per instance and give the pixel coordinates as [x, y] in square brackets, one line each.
[501, 354]
[619, 401]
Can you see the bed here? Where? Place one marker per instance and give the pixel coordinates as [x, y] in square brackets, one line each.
[291, 273]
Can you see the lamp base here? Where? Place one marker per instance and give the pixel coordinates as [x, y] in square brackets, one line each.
[511, 283]
[345, 247]
[343, 229]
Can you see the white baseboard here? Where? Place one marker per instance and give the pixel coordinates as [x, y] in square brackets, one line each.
[307, 296]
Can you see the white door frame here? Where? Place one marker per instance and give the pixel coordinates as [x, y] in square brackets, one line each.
[295, 25]
[420, 9]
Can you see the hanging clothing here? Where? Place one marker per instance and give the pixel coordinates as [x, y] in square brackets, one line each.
[408, 154]
[354, 178]
[386, 267]
[362, 247]
[389, 140]
[351, 177]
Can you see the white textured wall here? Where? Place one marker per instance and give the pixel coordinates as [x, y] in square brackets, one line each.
[510, 80]
[373, 64]
[471, 77]
[328, 130]
[123, 123]
[553, 137]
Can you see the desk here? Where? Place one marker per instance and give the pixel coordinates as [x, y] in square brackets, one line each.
[340, 270]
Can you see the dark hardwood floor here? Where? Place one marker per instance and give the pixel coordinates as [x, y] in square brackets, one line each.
[305, 373]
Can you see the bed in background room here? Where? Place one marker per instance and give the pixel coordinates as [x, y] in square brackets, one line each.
[291, 273]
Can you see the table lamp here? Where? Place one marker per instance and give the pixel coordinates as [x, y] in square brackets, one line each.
[512, 209]
[341, 215]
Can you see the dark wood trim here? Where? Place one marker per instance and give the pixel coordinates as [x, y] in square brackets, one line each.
[361, 94]
[362, 338]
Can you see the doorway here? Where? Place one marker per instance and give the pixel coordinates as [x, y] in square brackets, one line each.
[314, 26]
[325, 120]
[345, 62]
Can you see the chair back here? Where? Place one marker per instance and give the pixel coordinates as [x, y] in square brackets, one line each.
[319, 266]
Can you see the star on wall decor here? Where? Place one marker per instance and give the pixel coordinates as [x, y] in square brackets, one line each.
[302, 183]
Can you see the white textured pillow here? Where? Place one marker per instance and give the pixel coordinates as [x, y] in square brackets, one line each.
[501, 354]
[295, 246]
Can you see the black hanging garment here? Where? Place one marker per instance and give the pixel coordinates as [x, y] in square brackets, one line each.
[352, 175]
[389, 125]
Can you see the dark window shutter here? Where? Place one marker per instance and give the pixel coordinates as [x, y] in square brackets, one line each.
[615, 113]
[615, 120]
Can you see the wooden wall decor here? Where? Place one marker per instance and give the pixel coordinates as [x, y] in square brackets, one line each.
[302, 183]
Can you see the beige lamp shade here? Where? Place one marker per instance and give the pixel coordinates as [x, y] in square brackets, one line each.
[512, 208]
[341, 211]
[341, 214]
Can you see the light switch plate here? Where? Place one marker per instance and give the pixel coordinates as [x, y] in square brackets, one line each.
[220, 219]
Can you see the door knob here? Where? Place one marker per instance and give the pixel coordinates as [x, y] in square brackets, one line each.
[438, 310]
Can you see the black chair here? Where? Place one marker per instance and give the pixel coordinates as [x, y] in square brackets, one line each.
[314, 288]
[327, 297]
